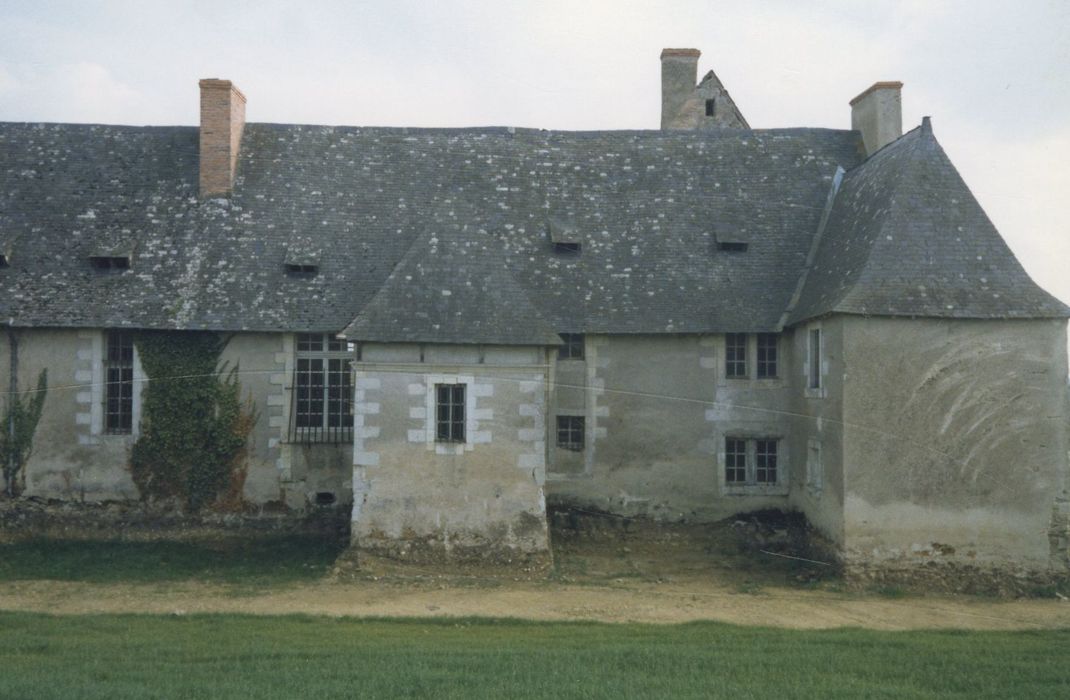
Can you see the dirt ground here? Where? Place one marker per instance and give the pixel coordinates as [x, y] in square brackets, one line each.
[610, 575]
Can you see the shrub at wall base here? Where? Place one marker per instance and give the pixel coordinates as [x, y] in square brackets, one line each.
[194, 425]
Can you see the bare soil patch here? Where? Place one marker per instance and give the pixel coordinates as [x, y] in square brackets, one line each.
[605, 570]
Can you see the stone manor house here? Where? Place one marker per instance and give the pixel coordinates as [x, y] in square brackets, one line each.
[448, 330]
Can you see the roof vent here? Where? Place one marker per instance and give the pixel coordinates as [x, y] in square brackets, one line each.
[302, 269]
[564, 238]
[3, 260]
[109, 263]
[732, 246]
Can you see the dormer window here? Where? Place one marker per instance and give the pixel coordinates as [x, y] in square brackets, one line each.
[301, 269]
[563, 237]
[110, 263]
[732, 246]
[711, 108]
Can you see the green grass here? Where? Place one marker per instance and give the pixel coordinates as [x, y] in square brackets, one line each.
[222, 656]
[238, 561]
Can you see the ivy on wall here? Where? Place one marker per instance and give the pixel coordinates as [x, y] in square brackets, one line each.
[194, 424]
[21, 415]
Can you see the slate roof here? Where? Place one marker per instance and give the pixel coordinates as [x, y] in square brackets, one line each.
[906, 237]
[432, 293]
[363, 203]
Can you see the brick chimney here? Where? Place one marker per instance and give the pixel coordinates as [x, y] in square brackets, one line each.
[679, 74]
[878, 114]
[222, 123]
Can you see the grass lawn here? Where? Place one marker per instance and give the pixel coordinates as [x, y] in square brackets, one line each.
[223, 656]
[239, 561]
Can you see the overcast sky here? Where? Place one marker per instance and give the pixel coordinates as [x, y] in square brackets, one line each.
[994, 76]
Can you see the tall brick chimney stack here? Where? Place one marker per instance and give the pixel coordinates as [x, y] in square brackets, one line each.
[878, 114]
[222, 123]
[679, 74]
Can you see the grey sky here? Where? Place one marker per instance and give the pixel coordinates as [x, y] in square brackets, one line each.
[993, 75]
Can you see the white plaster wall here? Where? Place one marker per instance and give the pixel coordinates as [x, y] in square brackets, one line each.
[658, 409]
[956, 441]
[485, 494]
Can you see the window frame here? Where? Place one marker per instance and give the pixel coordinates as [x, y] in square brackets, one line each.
[764, 367]
[763, 468]
[814, 352]
[453, 397]
[118, 358]
[736, 364]
[335, 390]
[572, 346]
[575, 427]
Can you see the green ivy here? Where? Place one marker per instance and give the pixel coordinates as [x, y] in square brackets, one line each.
[194, 424]
[21, 416]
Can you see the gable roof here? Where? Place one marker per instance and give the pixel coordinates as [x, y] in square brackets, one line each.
[906, 237]
[710, 83]
[645, 205]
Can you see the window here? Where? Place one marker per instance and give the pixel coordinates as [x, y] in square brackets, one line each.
[322, 390]
[751, 461]
[119, 383]
[815, 359]
[711, 107]
[449, 412]
[735, 461]
[570, 432]
[735, 355]
[765, 461]
[567, 248]
[767, 355]
[571, 348]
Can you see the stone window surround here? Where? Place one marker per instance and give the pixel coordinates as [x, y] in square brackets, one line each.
[470, 413]
[716, 359]
[820, 391]
[89, 376]
[751, 487]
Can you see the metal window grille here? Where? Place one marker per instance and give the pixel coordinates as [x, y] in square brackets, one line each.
[570, 432]
[119, 383]
[767, 355]
[449, 412]
[322, 391]
[815, 358]
[572, 347]
[735, 355]
[735, 460]
[765, 461]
